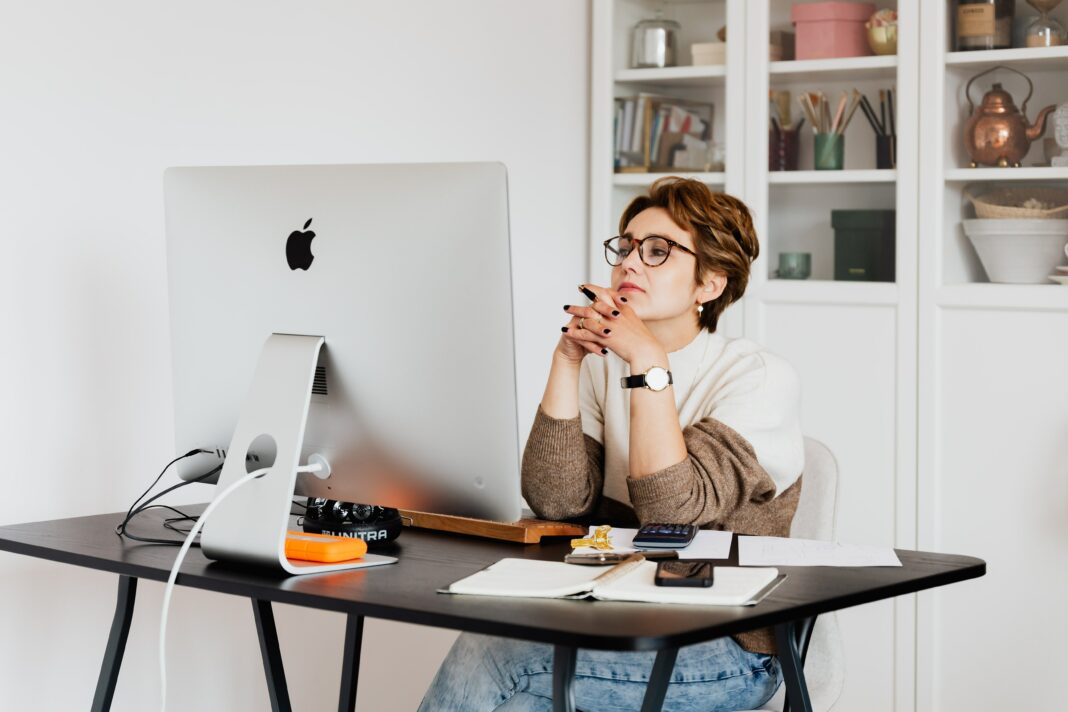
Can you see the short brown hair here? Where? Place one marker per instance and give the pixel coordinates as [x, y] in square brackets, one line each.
[722, 230]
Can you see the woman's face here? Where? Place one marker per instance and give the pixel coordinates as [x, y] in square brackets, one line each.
[668, 290]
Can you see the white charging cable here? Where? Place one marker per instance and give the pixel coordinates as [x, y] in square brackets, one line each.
[317, 466]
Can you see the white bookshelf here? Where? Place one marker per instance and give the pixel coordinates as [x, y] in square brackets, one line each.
[674, 76]
[879, 361]
[1024, 59]
[872, 175]
[980, 371]
[646, 179]
[850, 68]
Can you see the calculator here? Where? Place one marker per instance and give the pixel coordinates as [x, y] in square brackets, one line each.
[665, 536]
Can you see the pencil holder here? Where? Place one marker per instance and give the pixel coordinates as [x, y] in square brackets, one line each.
[885, 151]
[829, 154]
[783, 149]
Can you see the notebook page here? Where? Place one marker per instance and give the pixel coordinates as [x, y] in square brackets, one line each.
[527, 577]
[733, 586]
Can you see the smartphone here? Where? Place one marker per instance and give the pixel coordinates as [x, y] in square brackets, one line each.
[605, 558]
[684, 573]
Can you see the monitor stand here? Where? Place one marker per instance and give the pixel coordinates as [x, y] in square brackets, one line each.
[250, 525]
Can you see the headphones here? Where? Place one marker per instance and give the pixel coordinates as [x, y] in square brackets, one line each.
[374, 524]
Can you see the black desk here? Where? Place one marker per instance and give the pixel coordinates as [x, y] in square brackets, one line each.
[428, 561]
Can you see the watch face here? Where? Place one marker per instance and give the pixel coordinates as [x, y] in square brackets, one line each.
[656, 378]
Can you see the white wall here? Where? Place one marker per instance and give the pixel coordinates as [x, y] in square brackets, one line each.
[97, 99]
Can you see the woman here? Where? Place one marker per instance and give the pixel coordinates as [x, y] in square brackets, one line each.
[720, 447]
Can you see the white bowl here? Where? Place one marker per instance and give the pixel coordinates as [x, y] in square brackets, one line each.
[1059, 278]
[1018, 251]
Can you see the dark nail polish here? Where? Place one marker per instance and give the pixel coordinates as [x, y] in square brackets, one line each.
[622, 299]
[608, 331]
[615, 313]
[563, 328]
[566, 307]
[604, 351]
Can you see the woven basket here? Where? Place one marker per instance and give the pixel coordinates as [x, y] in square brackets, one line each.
[1008, 203]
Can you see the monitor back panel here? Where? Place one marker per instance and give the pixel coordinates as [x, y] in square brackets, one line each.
[410, 284]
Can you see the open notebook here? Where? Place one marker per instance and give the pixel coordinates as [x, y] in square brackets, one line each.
[631, 580]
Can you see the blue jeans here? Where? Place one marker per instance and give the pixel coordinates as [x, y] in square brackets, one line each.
[483, 673]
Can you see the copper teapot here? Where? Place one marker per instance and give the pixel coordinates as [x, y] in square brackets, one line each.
[997, 133]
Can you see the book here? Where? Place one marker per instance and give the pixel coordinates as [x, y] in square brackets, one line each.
[630, 580]
[657, 132]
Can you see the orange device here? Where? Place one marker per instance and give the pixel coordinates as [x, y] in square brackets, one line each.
[323, 548]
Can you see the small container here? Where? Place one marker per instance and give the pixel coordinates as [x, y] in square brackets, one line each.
[654, 43]
[794, 265]
[831, 29]
[984, 24]
[783, 149]
[705, 53]
[829, 153]
[885, 151]
[864, 245]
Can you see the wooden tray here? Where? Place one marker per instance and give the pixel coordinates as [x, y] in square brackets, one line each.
[524, 531]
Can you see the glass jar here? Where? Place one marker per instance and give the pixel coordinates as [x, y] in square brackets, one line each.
[984, 24]
[654, 43]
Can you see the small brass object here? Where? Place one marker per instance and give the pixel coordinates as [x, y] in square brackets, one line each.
[599, 540]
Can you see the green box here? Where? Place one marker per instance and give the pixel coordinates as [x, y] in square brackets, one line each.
[864, 242]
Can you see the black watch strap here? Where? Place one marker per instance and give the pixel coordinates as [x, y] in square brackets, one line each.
[639, 380]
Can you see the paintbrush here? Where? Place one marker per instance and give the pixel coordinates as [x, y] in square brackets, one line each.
[836, 125]
[870, 113]
[890, 112]
[852, 110]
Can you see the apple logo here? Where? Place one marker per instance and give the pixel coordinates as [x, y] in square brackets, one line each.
[298, 248]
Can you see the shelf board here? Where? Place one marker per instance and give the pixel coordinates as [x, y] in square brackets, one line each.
[705, 75]
[804, 291]
[645, 179]
[851, 68]
[884, 175]
[1024, 58]
[1016, 297]
[966, 175]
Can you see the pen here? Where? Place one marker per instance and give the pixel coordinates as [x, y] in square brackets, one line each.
[589, 294]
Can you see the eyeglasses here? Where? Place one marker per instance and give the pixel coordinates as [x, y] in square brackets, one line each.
[652, 250]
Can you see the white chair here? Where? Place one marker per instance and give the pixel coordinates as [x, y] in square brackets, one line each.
[815, 519]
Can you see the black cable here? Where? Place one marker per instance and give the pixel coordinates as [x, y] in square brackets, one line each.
[195, 451]
[168, 523]
[144, 506]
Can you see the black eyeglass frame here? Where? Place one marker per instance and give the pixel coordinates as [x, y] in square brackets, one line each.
[671, 243]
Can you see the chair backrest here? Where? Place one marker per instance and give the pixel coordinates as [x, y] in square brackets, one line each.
[817, 510]
[816, 518]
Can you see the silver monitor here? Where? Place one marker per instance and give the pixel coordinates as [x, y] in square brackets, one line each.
[406, 272]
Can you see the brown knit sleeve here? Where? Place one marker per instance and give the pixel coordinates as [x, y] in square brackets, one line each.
[719, 476]
[563, 468]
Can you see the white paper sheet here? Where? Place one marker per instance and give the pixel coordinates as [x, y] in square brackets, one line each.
[708, 544]
[777, 551]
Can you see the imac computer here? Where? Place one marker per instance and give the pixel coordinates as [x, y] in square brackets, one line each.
[361, 314]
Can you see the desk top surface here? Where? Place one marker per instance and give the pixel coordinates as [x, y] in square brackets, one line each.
[406, 591]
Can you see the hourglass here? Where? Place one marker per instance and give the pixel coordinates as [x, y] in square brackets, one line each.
[1044, 31]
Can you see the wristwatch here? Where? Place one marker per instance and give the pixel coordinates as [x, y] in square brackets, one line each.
[655, 379]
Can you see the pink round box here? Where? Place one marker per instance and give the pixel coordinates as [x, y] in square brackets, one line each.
[831, 29]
